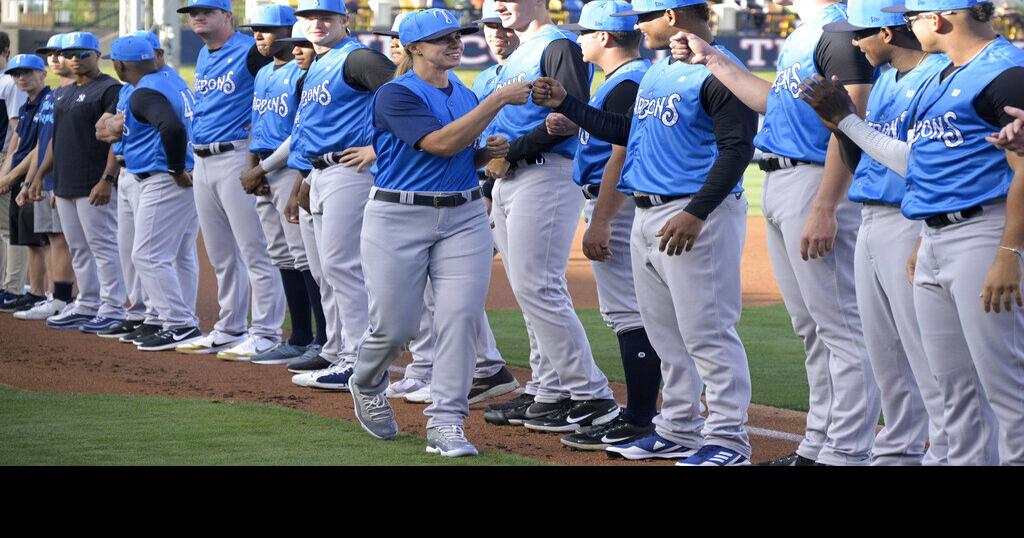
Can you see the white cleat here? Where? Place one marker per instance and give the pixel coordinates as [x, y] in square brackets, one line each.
[212, 343]
[247, 348]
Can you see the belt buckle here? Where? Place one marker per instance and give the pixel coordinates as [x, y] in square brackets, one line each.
[436, 202]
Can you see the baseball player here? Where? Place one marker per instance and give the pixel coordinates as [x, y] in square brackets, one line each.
[967, 192]
[232, 232]
[911, 400]
[689, 226]
[425, 219]
[273, 114]
[13, 258]
[812, 227]
[333, 112]
[29, 73]
[501, 41]
[155, 144]
[40, 192]
[612, 44]
[85, 173]
[536, 211]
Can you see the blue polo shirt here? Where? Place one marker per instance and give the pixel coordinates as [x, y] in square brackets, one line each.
[28, 126]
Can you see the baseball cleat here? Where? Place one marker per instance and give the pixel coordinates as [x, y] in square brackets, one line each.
[485, 388]
[125, 328]
[374, 413]
[99, 324]
[282, 353]
[67, 311]
[790, 460]
[616, 432]
[6, 296]
[170, 339]
[650, 447]
[142, 332]
[421, 396]
[512, 412]
[9, 300]
[714, 456]
[555, 421]
[593, 412]
[310, 361]
[407, 385]
[449, 441]
[41, 310]
[26, 302]
[333, 378]
[212, 343]
[248, 348]
[68, 323]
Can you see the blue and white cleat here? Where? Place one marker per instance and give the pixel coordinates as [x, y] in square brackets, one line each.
[650, 447]
[714, 456]
[99, 324]
[71, 322]
[333, 378]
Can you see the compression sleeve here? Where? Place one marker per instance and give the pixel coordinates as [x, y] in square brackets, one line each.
[893, 153]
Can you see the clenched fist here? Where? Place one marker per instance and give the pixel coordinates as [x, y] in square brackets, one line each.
[548, 92]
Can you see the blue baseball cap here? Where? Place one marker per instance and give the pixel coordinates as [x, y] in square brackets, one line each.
[272, 15]
[223, 5]
[26, 61]
[393, 32]
[864, 14]
[600, 15]
[150, 37]
[80, 40]
[932, 5]
[330, 6]
[489, 13]
[640, 7]
[54, 44]
[298, 34]
[130, 48]
[430, 24]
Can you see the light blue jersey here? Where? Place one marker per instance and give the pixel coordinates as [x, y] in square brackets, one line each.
[143, 148]
[335, 115]
[223, 89]
[404, 168]
[672, 144]
[485, 82]
[592, 153]
[273, 105]
[122, 103]
[791, 127]
[952, 167]
[887, 113]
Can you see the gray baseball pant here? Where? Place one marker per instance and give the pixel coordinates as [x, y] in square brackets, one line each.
[535, 214]
[693, 328]
[332, 347]
[977, 357]
[163, 220]
[138, 309]
[235, 243]
[402, 246]
[284, 240]
[616, 295]
[911, 400]
[91, 233]
[822, 303]
[337, 195]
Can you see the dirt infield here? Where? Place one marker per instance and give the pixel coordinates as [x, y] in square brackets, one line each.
[36, 358]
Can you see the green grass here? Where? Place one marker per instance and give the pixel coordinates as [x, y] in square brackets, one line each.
[99, 429]
[775, 354]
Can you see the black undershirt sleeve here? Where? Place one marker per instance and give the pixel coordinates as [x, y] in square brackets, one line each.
[622, 97]
[255, 61]
[734, 126]
[367, 70]
[1004, 90]
[608, 126]
[562, 60]
[110, 96]
[301, 83]
[150, 106]
[836, 55]
[112, 109]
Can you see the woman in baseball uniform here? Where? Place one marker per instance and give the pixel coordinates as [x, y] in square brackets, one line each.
[426, 219]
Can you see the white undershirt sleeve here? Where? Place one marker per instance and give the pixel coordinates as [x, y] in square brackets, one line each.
[891, 152]
[279, 158]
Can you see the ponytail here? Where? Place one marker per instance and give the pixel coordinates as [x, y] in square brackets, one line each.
[405, 64]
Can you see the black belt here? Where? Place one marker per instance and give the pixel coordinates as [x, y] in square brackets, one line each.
[945, 219]
[215, 149]
[880, 204]
[263, 155]
[523, 163]
[326, 160]
[590, 192]
[145, 175]
[440, 200]
[119, 159]
[647, 201]
[771, 164]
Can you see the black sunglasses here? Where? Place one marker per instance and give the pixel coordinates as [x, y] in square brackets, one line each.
[80, 54]
[864, 33]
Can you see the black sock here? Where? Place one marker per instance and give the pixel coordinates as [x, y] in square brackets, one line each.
[313, 293]
[298, 307]
[643, 376]
[62, 291]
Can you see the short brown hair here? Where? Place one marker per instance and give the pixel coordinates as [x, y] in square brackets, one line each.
[982, 12]
[627, 40]
[698, 11]
[5, 42]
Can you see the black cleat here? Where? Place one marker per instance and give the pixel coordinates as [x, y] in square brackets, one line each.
[170, 339]
[576, 415]
[791, 460]
[125, 328]
[616, 432]
[140, 333]
[486, 388]
[309, 362]
[512, 412]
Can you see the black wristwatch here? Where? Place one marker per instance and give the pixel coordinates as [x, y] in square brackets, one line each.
[110, 178]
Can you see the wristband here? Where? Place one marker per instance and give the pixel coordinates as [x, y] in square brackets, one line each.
[1017, 251]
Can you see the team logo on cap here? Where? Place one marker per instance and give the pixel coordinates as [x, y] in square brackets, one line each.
[443, 13]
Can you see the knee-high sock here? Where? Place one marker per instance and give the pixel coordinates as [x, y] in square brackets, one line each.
[298, 306]
[313, 292]
[643, 376]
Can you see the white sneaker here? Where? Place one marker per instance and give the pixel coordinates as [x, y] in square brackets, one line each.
[247, 348]
[42, 310]
[67, 310]
[211, 343]
[419, 396]
[405, 386]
